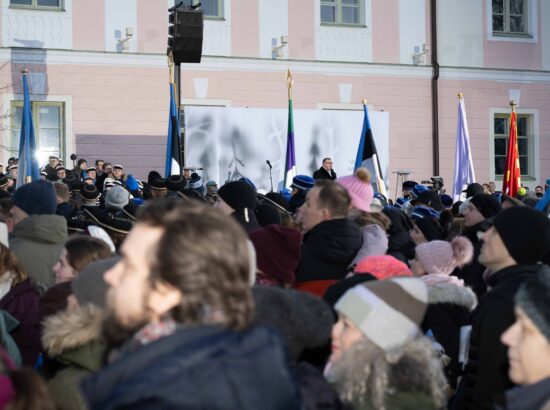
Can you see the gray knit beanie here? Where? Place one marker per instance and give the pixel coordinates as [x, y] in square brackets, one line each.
[89, 286]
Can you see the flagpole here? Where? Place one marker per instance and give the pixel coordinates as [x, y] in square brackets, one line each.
[290, 158]
[24, 72]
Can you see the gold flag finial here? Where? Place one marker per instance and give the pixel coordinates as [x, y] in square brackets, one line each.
[364, 101]
[289, 83]
[460, 96]
[24, 70]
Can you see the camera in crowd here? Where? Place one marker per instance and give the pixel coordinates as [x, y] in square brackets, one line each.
[435, 184]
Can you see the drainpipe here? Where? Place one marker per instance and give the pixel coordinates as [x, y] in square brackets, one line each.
[435, 79]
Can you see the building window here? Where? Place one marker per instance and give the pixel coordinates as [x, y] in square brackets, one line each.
[510, 17]
[212, 8]
[38, 4]
[344, 12]
[501, 130]
[49, 128]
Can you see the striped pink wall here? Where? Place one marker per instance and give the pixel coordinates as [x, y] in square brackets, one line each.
[301, 31]
[89, 25]
[152, 26]
[385, 31]
[245, 28]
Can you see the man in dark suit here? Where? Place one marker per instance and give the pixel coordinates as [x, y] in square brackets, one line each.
[326, 171]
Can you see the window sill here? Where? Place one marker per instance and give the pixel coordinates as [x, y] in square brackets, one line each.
[526, 178]
[512, 35]
[28, 8]
[212, 18]
[346, 25]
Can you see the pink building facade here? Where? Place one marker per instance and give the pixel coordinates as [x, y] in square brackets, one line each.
[101, 95]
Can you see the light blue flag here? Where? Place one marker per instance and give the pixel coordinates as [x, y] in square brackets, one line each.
[464, 166]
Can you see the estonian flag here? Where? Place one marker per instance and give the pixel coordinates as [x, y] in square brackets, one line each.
[368, 157]
[173, 145]
[28, 163]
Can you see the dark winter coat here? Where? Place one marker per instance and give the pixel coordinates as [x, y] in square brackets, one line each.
[322, 173]
[400, 244]
[328, 250]
[86, 216]
[199, 368]
[472, 274]
[72, 339]
[22, 303]
[315, 391]
[486, 375]
[37, 242]
[532, 397]
[449, 309]
[66, 210]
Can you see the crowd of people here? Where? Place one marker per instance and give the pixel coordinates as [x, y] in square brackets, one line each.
[171, 293]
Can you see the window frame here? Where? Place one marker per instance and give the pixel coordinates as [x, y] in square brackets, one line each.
[35, 6]
[533, 151]
[506, 20]
[338, 17]
[35, 106]
[221, 10]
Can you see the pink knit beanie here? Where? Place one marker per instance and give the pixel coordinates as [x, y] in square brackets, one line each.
[442, 257]
[359, 188]
[382, 267]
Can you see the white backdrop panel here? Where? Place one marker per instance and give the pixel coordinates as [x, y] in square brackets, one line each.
[233, 142]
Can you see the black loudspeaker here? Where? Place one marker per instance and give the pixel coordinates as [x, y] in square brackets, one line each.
[185, 35]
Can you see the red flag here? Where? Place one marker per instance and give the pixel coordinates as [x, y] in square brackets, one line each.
[512, 174]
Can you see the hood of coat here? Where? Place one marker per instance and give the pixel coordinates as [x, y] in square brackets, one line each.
[50, 229]
[71, 329]
[336, 240]
[452, 294]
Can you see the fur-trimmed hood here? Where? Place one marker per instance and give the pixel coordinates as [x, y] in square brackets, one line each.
[71, 329]
[452, 294]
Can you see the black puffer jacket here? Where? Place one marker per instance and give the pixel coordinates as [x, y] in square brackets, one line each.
[328, 249]
[486, 377]
[449, 309]
[400, 244]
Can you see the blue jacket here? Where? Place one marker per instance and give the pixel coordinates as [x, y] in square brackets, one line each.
[199, 368]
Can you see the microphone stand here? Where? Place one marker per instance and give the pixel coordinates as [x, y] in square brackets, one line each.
[270, 176]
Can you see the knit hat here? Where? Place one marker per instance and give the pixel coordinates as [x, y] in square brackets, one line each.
[382, 267]
[532, 298]
[117, 197]
[267, 214]
[431, 228]
[80, 162]
[359, 188]
[277, 251]
[487, 205]
[195, 183]
[336, 291]
[175, 183]
[441, 257]
[89, 192]
[429, 198]
[157, 183]
[303, 182]
[474, 189]
[388, 312]
[447, 201]
[525, 232]
[238, 195]
[89, 286]
[36, 198]
[153, 175]
[421, 211]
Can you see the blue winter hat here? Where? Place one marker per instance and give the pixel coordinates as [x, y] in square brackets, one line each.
[303, 182]
[420, 212]
[418, 189]
[248, 181]
[409, 185]
[399, 202]
[36, 198]
[286, 193]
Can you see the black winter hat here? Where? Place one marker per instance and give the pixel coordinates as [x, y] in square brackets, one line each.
[431, 228]
[158, 183]
[89, 191]
[409, 185]
[238, 195]
[487, 205]
[474, 189]
[175, 183]
[152, 176]
[525, 232]
[267, 214]
[429, 198]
